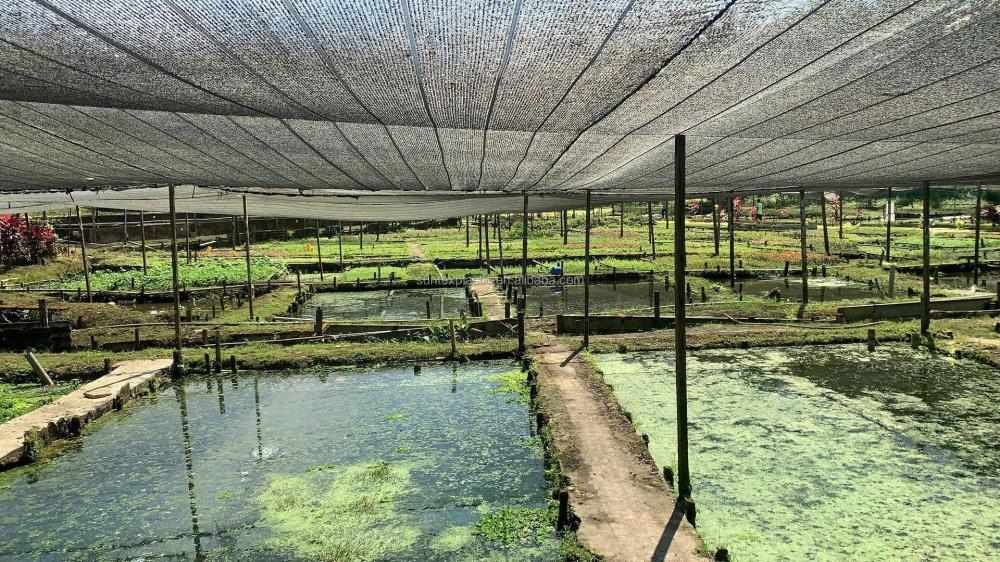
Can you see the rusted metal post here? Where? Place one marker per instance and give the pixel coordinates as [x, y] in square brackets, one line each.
[586, 275]
[246, 247]
[319, 252]
[925, 297]
[732, 243]
[652, 235]
[680, 329]
[83, 254]
[979, 212]
[173, 270]
[142, 240]
[822, 209]
[888, 226]
[805, 259]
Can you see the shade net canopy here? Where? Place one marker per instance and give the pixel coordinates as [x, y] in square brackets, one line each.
[418, 109]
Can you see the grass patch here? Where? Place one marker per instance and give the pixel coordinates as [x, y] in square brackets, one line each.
[159, 277]
[18, 399]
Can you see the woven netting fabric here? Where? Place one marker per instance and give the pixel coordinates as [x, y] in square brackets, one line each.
[480, 97]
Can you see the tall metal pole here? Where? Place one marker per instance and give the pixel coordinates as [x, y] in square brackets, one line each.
[142, 239]
[925, 297]
[187, 236]
[621, 219]
[466, 232]
[840, 221]
[319, 251]
[979, 212]
[486, 241]
[586, 275]
[479, 237]
[361, 236]
[716, 226]
[173, 271]
[826, 236]
[340, 241]
[83, 254]
[888, 227]
[732, 243]
[680, 317]
[805, 262]
[500, 242]
[524, 243]
[565, 232]
[652, 236]
[246, 226]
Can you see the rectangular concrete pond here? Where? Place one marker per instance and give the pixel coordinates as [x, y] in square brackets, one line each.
[320, 465]
[829, 452]
[388, 304]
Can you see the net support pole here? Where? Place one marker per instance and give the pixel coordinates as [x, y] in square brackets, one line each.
[499, 243]
[586, 274]
[888, 226]
[732, 243]
[925, 296]
[652, 235]
[246, 248]
[840, 217]
[319, 252]
[621, 219]
[680, 317]
[565, 232]
[479, 239]
[466, 232]
[83, 254]
[802, 246]
[142, 240]
[524, 244]
[175, 277]
[486, 241]
[187, 236]
[826, 235]
[340, 242]
[716, 226]
[978, 218]
[361, 236]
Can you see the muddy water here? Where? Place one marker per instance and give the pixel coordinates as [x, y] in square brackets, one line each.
[568, 299]
[821, 289]
[340, 465]
[397, 304]
[830, 453]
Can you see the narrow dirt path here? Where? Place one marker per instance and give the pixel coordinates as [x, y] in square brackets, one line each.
[626, 510]
[486, 292]
[417, 250]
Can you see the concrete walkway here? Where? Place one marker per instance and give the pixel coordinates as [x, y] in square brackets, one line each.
[626, 510]
[486, 292]
[68, 415]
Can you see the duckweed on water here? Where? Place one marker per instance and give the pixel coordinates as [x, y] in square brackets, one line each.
[830, 453]
[513, 382]
[513, 525]
[343, 515]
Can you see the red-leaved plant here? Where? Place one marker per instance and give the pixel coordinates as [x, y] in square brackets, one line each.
[24, 242]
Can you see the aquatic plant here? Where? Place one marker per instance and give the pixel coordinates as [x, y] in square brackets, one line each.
[339, 515]
[513, 382]
[159, 277]
[511, 525]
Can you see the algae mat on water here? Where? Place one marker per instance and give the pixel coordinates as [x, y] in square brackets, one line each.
[830, 453]
[330, 464]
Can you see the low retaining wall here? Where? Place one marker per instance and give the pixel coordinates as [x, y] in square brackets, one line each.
[614, 324]
[910, 309]
[32, 335]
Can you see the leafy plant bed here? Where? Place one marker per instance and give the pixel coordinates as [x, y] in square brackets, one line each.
[159, 277]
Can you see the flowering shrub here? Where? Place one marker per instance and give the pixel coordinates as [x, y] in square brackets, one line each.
[23, 242]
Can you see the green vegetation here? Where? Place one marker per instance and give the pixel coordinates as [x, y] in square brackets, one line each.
[338, 515]
[512, 525]
[513, 382]
[20, 398]
[159, 277]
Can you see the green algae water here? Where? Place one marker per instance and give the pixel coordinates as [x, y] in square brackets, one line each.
[324, 465]
[830, 452]
[394, 304]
